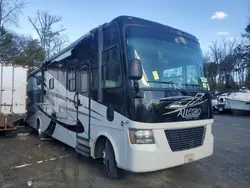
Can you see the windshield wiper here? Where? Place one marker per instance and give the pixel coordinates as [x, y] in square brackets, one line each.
[198, 86]
[161, 82]
[172, 83]
[192, 85]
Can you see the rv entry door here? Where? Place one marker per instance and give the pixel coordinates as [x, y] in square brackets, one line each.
[82, 100]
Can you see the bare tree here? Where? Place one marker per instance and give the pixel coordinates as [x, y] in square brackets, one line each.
[10, 10]
[49, 31]
[215, 53]
[210, 69]
[222, 54]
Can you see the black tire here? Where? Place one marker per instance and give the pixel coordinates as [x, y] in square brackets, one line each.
[109, 161]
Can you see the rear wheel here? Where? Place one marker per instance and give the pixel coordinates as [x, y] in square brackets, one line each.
[109, 161]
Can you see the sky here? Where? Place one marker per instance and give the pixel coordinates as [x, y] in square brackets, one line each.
[209, 21]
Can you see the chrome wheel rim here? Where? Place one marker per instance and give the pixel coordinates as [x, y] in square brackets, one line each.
[39, 131]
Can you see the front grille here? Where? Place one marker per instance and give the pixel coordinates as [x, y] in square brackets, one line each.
[187, 138]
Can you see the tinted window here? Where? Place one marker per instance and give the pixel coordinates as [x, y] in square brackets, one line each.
[110, 36]
[51, 83]
[71, 80]
[84, 82]
[111, 68]
[38, 80]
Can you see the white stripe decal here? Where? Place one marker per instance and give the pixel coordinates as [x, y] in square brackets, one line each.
[38, 162]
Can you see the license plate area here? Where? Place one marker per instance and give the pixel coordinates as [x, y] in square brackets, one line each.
[188, 158]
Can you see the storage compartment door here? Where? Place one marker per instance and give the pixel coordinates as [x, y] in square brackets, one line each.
[20, 90]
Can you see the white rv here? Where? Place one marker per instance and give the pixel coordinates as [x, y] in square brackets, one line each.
[13, 96]
[131, 92]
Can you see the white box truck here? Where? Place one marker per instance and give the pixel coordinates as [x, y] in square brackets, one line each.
[13, 96]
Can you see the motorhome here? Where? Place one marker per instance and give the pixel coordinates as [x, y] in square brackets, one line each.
[130, 91]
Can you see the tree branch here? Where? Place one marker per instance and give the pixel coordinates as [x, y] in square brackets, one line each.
[37, 30]
[11, 13]
[50, 39]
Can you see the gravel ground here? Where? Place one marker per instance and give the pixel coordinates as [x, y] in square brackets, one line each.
[52, 164]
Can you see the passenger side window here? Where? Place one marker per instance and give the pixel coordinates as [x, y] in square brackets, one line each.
[111, 68]
[71, 80]
[111, 64]
[110, 36]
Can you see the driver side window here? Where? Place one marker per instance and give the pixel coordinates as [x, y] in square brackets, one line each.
[111, 64]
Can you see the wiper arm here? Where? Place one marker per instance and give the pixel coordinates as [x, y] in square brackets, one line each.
[172, 83]
[192, 85]
[161, 82]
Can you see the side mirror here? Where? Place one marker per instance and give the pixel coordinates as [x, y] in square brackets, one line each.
[135, 72]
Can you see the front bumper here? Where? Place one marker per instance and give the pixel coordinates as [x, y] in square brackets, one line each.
[152, 157]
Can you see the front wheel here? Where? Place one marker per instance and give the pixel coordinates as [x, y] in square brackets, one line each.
[109, 161]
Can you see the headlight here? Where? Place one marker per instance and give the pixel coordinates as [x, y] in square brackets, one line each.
[141, 136]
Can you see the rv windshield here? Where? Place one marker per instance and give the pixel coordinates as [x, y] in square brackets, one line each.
[167, 59]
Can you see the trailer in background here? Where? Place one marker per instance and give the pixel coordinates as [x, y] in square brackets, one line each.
[13, 96]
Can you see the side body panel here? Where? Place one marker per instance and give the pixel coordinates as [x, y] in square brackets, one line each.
[34, 97]
[13, 86]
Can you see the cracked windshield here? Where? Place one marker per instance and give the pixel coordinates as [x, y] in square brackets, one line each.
[124, 94]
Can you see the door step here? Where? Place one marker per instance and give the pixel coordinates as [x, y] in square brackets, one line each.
[82, 141]
[82, 147]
